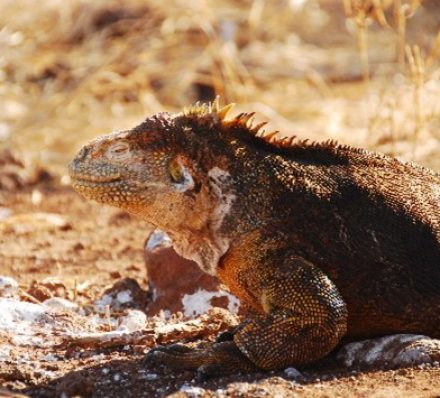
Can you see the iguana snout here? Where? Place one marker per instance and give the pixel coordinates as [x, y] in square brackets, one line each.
[146, 171]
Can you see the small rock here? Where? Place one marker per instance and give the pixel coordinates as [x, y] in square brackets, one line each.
[61, 304]
[124, 297]
[8, 287]
[65, 180]
[220, 392]
[50, 358]
[292, 373]
[5, 353]
[78, 247]
[115, 274]
[40, 292]
[191, 391]
[119, 217]
[56, 287]
[33, 222]
[125, 293]
[36, 197]
[134, 320]
[151, 376]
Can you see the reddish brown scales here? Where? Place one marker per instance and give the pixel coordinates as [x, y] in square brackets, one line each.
[321, 239]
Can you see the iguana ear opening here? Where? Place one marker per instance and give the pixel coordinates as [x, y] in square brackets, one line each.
[180, 175]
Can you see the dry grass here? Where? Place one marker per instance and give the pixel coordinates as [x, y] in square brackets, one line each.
[72, 70]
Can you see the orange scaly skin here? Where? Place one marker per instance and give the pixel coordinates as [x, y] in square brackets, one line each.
[322, 241]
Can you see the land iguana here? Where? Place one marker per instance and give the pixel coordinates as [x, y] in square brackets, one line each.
[322, 241]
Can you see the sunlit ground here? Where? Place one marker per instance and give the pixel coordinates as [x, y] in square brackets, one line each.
[70, 70]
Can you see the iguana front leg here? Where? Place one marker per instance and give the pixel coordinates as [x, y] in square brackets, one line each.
[218, 359]
[303, 318]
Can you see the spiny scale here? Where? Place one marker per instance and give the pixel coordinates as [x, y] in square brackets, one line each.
[246, 120]
[256, 129]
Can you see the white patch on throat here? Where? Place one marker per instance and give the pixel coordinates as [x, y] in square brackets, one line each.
[207, 248]
[220, 181]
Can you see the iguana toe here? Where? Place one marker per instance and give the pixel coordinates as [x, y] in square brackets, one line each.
[218, 359]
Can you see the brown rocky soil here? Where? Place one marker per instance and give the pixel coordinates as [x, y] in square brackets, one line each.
[72, 70]
[55, 244]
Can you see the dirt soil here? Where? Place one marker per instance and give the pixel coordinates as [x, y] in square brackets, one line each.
[72, 70]
[89, 247]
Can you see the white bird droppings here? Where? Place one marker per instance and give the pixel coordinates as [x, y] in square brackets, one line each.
[199, 302]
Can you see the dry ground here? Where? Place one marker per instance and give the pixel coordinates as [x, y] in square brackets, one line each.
[77, 254]
[72, 70]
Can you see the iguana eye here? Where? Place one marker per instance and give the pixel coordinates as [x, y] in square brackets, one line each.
[180, 176]
[176, 172]
[119, 150]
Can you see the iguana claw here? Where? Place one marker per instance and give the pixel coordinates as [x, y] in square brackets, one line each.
[218, 359]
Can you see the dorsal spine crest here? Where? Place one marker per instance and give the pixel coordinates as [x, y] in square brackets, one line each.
[213, 113]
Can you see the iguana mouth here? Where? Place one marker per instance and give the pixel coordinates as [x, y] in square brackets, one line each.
[96, 179]
[89, 176]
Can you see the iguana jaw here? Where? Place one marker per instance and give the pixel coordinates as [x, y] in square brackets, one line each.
[91, 179]
[106, 183]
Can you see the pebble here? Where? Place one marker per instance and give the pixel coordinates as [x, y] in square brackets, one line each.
[8, 287]
[61, 304]
[50, 358]
[292, 373]
[191, 391]
[36, 197]
[133, 321]
[151, 376]
[124, 297]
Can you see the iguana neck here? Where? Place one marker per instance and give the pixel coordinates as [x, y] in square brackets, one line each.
[205, 241]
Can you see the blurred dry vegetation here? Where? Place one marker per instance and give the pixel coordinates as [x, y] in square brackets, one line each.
[364, 72]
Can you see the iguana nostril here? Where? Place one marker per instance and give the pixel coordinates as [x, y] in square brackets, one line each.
[82, 154]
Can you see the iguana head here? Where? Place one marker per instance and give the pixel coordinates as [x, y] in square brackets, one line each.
[157, 170]
[172, 171]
